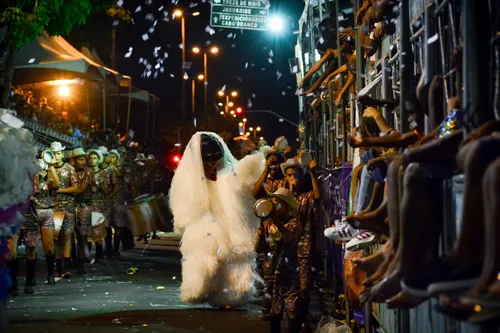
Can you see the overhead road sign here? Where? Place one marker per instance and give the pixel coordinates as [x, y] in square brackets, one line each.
[240, 14]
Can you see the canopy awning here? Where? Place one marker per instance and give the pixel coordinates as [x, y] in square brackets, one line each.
[46, 58]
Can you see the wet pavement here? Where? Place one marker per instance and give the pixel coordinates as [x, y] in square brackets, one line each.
[109, 300]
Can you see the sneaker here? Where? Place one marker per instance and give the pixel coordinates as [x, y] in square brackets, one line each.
[342, 232]
[360, 242]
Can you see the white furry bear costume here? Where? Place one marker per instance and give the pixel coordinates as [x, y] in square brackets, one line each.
[218, 224]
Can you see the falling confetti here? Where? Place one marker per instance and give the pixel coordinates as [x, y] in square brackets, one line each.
[145, 37]
[271, 54]
[278, 75]
[32, 60]
[138, 9]
[119, 3]
[210, 30]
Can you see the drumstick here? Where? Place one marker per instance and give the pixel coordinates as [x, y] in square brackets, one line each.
[145, 248]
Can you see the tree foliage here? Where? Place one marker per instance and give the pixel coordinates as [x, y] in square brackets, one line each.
[27, 19]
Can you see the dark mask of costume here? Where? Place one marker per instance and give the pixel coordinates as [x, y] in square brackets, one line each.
[211, 150]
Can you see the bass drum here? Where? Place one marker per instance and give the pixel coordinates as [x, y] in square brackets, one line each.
[141, 216]
[165, 218]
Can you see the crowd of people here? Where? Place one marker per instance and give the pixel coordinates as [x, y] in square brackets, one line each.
[80, 199]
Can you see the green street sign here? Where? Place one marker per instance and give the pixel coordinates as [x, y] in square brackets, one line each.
[239, 14]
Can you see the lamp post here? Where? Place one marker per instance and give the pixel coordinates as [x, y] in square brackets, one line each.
[200, 77]
[179, 13]
[213, 50]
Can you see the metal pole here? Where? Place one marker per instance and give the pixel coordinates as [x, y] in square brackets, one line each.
[227, 103]
[183, 28]
[104, 101]
[405, 63]
[154, 115]
[147, 115]
[205, 65]
[193, 93]
[386, 87]
[129, 106]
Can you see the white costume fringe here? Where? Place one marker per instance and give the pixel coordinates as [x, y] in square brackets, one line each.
[218, 225]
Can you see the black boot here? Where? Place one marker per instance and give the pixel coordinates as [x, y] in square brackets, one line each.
[67, 264]
[116, 243]
[88, 255]
[13, 267]
[59, 268]
[74, 257]
[109, 245]
[98, 253]
[49, 260]
[81, 267]
[30, 276]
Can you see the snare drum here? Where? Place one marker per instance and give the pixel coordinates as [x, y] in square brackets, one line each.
[305, 158]
[280, 144]
[99, 229]
[263, 208]
[141, 216]
[58, 222]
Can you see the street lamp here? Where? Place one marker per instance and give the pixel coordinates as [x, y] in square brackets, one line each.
[222, 113]
[275, 24]
[64, 91]
[213, 50]
[261, 138]
[244, 120]
[220, 93]
[231, 104]
[258, 129]
[201, 77]
[251, 129]
[234, 93]
[196, 13]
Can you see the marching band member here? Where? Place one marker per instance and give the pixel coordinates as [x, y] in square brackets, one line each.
[100, 189]
[83, 202]
[39, 221]
[118, 221]
[65, 203]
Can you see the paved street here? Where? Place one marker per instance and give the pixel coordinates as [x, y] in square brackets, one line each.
[109, 300]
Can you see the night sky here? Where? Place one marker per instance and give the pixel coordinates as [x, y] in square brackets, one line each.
[257, 49]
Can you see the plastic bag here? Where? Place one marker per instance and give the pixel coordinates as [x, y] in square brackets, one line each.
[326, 325]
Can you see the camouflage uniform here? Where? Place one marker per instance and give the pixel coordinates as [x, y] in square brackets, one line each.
[103, 185]
[280, 268]
[127, 186]
[306, 245]
[270, 185]
[84, 202]
[66, 202]
[40, 214]
[117, 202]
